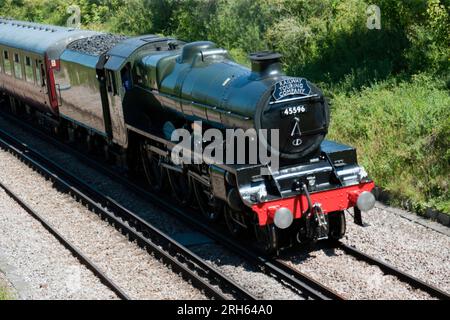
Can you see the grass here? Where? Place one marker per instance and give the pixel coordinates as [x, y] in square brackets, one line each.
[4, 295]
[402, 132]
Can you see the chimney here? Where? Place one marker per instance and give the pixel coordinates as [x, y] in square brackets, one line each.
[266, 63]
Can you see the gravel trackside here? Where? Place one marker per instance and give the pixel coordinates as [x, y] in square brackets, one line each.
[411, 247]
[139, 274]
[36, 264]
[353, 279]
[233, 266]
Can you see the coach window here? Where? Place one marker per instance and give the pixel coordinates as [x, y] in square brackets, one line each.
[17, 66]
[29, 70]
[7, 62]
[40, 73]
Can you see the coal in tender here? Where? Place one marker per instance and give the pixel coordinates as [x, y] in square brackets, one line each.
[98, 44]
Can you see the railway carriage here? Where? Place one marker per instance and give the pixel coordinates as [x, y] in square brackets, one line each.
[29, 55]
[126, 96]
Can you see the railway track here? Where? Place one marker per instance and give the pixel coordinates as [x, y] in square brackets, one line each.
[183, 261]
[68, 245]
[391, 270]
[277, 268]
[297, 281]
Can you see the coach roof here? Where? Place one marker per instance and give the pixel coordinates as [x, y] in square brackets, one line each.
[38, 38]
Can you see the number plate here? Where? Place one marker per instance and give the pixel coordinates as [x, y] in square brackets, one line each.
[292, 111]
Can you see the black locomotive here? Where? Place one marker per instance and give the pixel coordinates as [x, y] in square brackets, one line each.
[127, 96]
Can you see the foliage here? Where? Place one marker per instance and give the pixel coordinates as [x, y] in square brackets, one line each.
[401, 131]
[4, 295]
[324, 40]
[389, 86]
[132, 18]
[431, 40]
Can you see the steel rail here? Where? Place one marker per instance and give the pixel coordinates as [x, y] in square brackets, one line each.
[389, 269]
[89, 264]
[322, 292]
[181, 259]
[294, 279]
[298, 281]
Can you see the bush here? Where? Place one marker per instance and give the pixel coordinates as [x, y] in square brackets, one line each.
[402, 132]
[4, 295]
[191, 18]
[430, 50]
[389, 85]
[93, 13]
[133, 17]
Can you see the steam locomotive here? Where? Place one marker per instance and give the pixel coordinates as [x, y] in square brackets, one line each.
[125, 97]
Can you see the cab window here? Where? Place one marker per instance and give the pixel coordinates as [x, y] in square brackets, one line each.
[17, 66]
[29, 70]
[125, 74]
[138, 76]
[7, 62]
